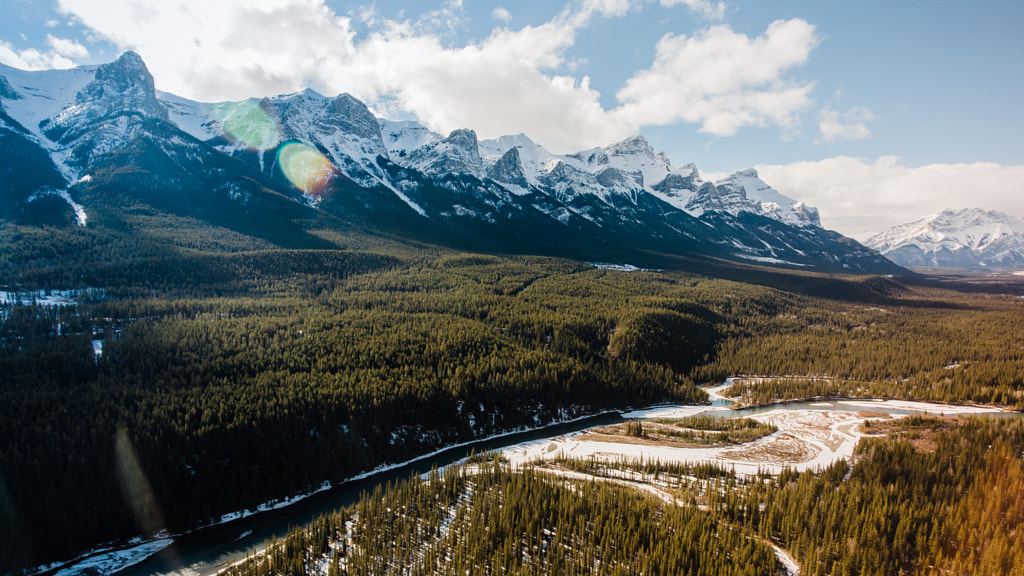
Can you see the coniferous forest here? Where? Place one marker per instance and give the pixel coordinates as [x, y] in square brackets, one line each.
[223, 373]
[952, 508]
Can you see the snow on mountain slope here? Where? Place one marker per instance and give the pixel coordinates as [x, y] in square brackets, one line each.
[38, 95]
[765, 200]
[533, 158]
[79, 114]
[195, 118]
[402, 137]
[635, 156]
[623, 194]
[971, 237]
[622, 170]
[459, 153]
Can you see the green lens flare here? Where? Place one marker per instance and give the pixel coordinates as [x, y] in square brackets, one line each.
[249, 124]
[305, 167]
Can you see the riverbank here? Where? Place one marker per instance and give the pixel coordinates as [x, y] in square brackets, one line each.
[247, 529]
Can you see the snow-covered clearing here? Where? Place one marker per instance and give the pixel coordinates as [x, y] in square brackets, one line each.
[808, 438]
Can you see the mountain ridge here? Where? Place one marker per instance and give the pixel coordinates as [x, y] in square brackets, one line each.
[968, 238]
[399, 176]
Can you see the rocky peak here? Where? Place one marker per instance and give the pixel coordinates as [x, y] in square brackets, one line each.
[123, 85]
[748, 173]
[352, 116]
[745, 187]
[509, 169]
[465, 140]
[632, 146]
[458, 153]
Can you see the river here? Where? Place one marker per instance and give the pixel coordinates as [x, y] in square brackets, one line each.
[207, 550]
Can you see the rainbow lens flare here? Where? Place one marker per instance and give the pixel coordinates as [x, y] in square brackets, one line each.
[305, 167]
[249, 124]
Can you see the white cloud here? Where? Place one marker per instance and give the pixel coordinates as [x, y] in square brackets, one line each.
[66, 47]
[32, 59]
[710, 10]
[512, 81]
[501, 14]
[723, 80]
[496, 87]
[860, 197]
[850, 125]
[224, 49]
[608, 7]
[52, 23]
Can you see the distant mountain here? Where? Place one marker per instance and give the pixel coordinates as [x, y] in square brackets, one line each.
[965, 238]
[86, 143]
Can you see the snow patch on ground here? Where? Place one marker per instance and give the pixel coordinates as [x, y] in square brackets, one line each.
[768, 260]
[80, 214]
[419, 210]
[272, 505]
[791, 566]
[46, 297]
[116, 561]
[620, 267]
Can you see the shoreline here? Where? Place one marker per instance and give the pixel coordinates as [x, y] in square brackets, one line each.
[118, 550]
[117, 553]
[954, 408]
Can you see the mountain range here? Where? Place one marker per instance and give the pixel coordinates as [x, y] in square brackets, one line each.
[967, 238]
[92, 145]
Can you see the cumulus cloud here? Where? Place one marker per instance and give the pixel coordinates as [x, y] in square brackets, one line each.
[710, 10]
[224, 50]
[861, 197]
[512, 81]
[850, 125]
[608, 7]
[723, 80]
[501, 14]
[32, 59]
[66, 47]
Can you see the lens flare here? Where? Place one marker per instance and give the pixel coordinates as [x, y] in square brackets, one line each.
[249, 124]
[135, 486]
[305, 167]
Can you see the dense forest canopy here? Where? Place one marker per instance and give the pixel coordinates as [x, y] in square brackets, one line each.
[238, 371]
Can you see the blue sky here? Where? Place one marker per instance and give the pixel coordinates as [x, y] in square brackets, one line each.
[876, 112]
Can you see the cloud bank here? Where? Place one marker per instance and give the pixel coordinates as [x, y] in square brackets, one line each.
[515, 80]
[860, 197]
[62, 54]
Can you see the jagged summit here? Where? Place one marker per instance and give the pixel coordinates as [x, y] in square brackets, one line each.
[744, 190]
[459, 153]
[119, 90]
[968, 238]
[124, 84]
[633, 145]
[344, 161]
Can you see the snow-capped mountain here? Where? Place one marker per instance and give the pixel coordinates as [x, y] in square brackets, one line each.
[967, 238]
[96, 130]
